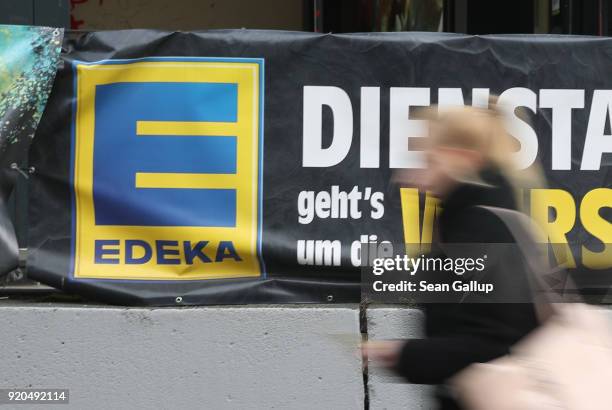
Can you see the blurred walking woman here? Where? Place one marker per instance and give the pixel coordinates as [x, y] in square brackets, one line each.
[469, 157]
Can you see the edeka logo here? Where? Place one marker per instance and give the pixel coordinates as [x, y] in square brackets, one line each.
[166, 168]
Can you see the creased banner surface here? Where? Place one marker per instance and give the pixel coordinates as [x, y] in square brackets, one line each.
[28, 63]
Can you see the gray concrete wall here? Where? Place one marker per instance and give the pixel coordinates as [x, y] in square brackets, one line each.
[387, 391]
[292, 357]
[247, 357]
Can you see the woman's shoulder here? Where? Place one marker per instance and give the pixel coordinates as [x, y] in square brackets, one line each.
[475, 224]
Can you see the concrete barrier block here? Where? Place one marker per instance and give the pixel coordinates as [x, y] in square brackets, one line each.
[184, 358]
[387, 391]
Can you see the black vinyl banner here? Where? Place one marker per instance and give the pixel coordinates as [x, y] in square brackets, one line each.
[250, 166]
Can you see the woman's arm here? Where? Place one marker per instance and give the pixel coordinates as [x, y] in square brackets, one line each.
[434, 360]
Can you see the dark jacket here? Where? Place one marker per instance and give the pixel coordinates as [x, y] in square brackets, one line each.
[459, 334]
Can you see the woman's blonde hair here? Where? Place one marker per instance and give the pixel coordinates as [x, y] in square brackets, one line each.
[483, 130]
